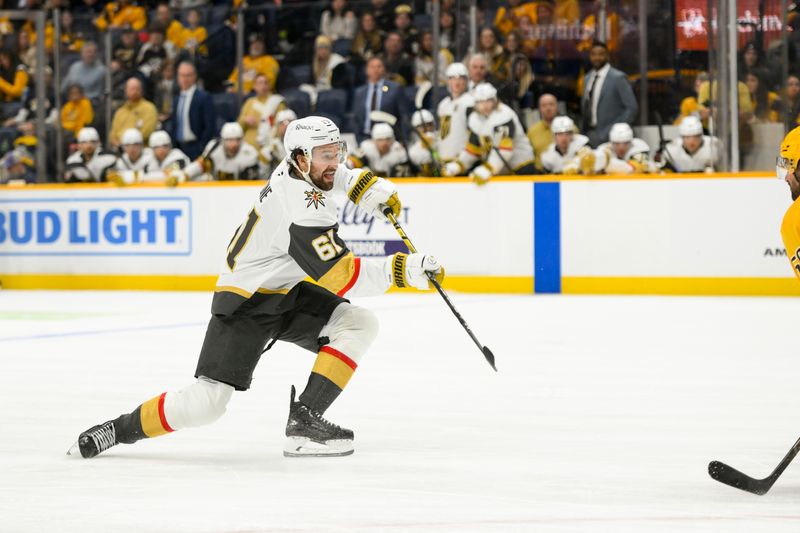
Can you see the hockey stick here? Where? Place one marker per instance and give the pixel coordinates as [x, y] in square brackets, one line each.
[487, 353]
[662, 143]
[419, 99]
[730, 476]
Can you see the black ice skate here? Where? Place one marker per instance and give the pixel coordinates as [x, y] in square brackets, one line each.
[310, 435]
[95, 440]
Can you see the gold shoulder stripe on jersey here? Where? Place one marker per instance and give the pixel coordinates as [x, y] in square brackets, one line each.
[366, 180]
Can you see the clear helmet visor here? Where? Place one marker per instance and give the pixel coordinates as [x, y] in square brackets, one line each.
[783, 167]
[330, 153]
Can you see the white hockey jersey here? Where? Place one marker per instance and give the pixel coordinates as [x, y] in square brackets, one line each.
[268, 110]
[675, 156]
[133, 171]
[453, 133]
[499, 141]
[291, 234]
[244, 165]
[419, 153]
[156, 170]
[554, 161]
[392, 163]
[80, 168]
[635, 160]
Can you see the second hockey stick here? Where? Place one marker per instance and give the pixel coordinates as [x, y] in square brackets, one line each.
[730, 476]
[487, 353]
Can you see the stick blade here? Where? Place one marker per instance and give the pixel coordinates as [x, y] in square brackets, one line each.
[732, 477]
[487, 353]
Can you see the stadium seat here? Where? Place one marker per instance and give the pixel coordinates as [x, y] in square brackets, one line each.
[342, 47]
[227, 106]
[423, 21]
[332, 103]
[302, 73]
[298, 101]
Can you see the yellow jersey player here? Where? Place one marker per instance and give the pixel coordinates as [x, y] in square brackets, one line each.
[787, 169]
[289, 234]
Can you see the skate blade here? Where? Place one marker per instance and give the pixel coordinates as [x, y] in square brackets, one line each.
[304, 447]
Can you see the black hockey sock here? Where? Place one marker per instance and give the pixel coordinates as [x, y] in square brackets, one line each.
[332, 370]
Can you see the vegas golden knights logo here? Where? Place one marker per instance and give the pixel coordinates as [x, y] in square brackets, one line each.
[444, 128]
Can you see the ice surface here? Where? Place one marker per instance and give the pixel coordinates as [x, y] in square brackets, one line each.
[603, 417]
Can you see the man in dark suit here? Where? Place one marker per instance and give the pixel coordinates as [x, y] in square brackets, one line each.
[607, 97]
[379, 94]
[194, 121]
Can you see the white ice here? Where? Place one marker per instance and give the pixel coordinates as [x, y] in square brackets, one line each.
[603, 417]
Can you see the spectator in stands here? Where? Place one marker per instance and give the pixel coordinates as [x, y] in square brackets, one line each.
[193, 117]
[423, 63]
[566, 11]
[324, 63]
[607, 97]
[338, 21]
[497, 143]
[173, 29]
[121, 14]
[518, 86]
[258, 113]
[26, 50]
[381, 153]
[691, 106]
[399, 65]
[136, 113]
[154, 52]
[507, 17]
[623, 154]
[404, 27]
[227, 158]
[383, 14]
[194, 33]
[89, 73]
[790, 101]
[13, 82]
[570, 152]
[478, 68]
[453, 111]
[751, 58]
[497, 58]
[540, 134]
[126, 51]
[257, 62]
[273, 151]
[18, 165]
[589, 32]
[766, 104]
[89, 163]
[30, 103]
[368, 42]
[379, 94]
[71, 39]
[692, 151]
[165, 87]
[707, 96]
[77, 112]
[447, 32]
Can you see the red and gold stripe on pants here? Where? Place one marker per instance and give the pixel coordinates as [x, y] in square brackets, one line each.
[154, 422]
[334, 365]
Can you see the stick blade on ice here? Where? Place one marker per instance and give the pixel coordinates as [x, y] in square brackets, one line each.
[730, 476]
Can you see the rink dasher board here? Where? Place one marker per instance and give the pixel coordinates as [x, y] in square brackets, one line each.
[697, 234]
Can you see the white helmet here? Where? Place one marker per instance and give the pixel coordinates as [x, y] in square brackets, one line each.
[620, 133]
[456, 70]
[562, 124]
[484, 91]
[690, 126]
[231, 130]
[306, 134]
[86, 135]
[381, 130]
[159, 138]
[131, 136]
[423, 116]
[284, 115]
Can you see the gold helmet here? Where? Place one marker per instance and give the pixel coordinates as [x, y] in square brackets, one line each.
[789, 157]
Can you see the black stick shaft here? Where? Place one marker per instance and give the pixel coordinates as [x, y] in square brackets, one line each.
[487, 353]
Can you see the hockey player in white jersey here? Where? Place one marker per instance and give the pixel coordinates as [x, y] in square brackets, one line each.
[168, 163]
[570, 152]
[290, 234]
[274, 152]
[424, 152]
[497, 141]
[453, 111]
[692, 151]
[90, 162]
[227, 158]
[623, 153]
[381, 153]
[131, 163]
